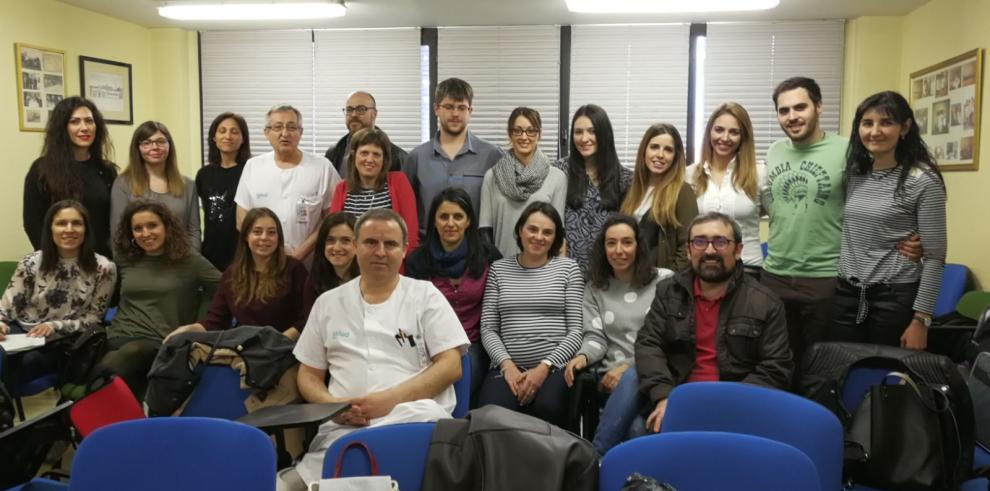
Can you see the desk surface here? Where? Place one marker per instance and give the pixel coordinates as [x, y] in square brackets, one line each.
[293, 415]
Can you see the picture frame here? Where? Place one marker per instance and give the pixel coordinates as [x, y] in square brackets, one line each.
[946, 99]
[40, 84]
[108, 84]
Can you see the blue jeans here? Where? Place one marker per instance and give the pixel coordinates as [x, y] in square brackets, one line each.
[621, 409]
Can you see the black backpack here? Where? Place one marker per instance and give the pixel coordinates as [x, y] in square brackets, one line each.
[824, 376]
[79, 362]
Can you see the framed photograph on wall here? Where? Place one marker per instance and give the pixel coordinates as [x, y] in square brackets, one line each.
[40, 84]
[946, 100]
[108, 84]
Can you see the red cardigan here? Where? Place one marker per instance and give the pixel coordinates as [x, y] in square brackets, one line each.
[403, 202]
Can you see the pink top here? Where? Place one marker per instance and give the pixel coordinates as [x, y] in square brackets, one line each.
[466, 300]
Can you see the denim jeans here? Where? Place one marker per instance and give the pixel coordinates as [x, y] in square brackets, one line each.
[623, 405]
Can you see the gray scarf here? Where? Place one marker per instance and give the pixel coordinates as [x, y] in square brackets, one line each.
[517, 181]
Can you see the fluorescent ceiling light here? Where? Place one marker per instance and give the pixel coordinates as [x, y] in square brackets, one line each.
[666, 6]
[254, 11]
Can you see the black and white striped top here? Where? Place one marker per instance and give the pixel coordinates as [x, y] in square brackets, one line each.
[367, 199]
[534, 314]
[875, 219]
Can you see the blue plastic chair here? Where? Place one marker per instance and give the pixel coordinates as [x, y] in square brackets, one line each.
[190, 454]
[23, 388]
[218, 394]
[462, 388]
[954, 279]
[759, 411]
[400, 450]
[41, 484]
[710, 460]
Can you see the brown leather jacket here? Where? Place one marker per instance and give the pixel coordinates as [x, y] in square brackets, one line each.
[750, 342]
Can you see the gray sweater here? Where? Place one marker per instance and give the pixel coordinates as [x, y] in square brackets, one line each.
[612, 318]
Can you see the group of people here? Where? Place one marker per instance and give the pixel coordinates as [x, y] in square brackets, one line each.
[538, 270]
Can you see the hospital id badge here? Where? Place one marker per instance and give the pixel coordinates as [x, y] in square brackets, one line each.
[303, 208]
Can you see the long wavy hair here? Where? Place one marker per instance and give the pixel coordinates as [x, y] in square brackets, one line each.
[49, 251]
[247, 283]
[664, 208]
[137, 174]
[606, 159]
[744, 177]
[57, 172]
[213, 153]
[911, 150]
[479, 250]
[322, 275]
[176, 240]
[601, 272]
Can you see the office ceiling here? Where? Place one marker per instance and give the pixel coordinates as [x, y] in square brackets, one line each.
[427, 13]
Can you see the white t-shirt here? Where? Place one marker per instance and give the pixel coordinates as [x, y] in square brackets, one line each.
[297, 195]
[369, 348]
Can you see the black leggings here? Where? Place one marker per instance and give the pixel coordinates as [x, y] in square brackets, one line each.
[131, 358]
[550, 403]
[889, 311]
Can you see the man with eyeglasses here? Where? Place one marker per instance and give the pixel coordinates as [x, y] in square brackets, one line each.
[711, 322]
[454, 156]
[360, 112]
[296, 185]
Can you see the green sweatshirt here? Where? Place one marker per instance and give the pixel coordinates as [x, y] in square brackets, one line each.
[805, 207]
[158, 295]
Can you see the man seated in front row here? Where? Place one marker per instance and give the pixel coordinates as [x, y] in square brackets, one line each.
[391, 344]
[711, 322]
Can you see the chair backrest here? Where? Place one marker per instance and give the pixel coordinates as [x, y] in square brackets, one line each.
[400, 449]
[218, 394]
[973, 304]
[710, 460]
[462, 388]
[7, 270]
[167, 453]
[112, 403]
[759, 411]
[954, 279]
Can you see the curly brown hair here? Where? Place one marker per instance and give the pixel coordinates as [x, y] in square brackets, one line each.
[176, 241]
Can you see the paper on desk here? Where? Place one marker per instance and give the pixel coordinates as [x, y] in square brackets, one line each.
[21, 342]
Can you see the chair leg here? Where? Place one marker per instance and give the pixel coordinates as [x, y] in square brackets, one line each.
[19, 405]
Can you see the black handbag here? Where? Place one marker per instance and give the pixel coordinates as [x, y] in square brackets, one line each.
[908, 437]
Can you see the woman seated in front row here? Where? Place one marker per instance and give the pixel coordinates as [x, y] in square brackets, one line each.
[161, 280]
[618, 295]
[337, 264]
[263, 286]
[62, 288]
[456, 257]
[531, 319]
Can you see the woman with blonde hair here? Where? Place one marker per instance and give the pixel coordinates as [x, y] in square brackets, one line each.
[729, 180]
[153, 173]
[659, 198]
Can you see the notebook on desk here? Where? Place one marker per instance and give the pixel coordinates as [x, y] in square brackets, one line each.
[15, 343]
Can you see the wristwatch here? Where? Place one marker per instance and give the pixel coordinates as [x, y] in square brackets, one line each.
[549, 365]
[925, 321]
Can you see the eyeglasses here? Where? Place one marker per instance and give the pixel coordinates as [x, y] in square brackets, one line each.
[359, 110]
[719, 243]
[291, 128]
[463, 108]
[154, 143]
[530, 132]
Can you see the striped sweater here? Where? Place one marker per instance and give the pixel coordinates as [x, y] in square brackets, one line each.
[875, 219]
[534, 314]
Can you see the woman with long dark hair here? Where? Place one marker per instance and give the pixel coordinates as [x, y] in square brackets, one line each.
[455, 257]
[63, 287]
[619, 292]
[161, 280]
[523, 175]
[74, 164]
[596, 180]
[531, 319]
[216, 184]
[336, 265]
[263, 286]
[893, 190]
[152, 172]
[660, 199]
[729, 180]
